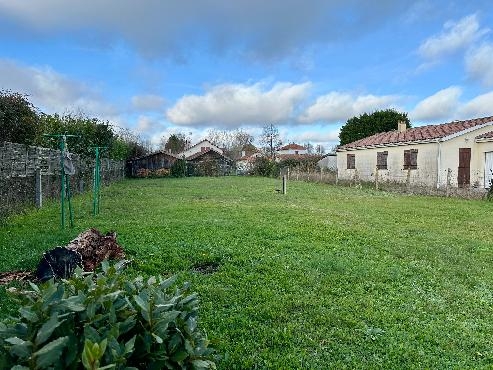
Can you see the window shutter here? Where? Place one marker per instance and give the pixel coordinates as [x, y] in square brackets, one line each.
[407, 159]
[382, 160]
[351, 161]
[414, 159]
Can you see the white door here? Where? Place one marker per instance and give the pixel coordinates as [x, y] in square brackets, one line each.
[488, 169]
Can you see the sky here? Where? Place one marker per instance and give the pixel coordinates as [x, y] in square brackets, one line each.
[160, 67]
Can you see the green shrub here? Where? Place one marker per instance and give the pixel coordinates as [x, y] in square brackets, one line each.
[263, 166]
[179, 168]
[301, 162]
[103, 320]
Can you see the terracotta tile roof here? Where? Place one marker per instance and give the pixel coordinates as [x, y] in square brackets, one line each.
[201, 153]
[486, 135]
[282, 157]
[292, 146]
[250, 157]
[417, 134]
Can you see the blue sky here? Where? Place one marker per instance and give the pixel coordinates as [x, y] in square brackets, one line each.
[161, 67]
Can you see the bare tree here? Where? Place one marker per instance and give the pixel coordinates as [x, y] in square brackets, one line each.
[320, 149]
[270, 140]
[231, 141]
[309, 147]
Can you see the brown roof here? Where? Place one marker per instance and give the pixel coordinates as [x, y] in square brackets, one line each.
[250, 157]
[486, 135]
[293, 146]
[417, 134]
[282, 157]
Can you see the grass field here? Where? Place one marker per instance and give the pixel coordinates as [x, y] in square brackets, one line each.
[323, 277]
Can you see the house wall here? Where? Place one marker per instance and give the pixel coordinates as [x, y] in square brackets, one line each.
[366, 162]
[450, 157]
[292, 152]
[328, 162]
[151, 162]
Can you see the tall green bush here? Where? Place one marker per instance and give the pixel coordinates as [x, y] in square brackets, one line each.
[264, 166]
[102, 320]
[179, 168]
[19, 118]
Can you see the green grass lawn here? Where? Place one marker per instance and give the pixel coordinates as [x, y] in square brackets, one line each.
[323, 277]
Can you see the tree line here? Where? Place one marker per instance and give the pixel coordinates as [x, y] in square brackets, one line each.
[21, 122]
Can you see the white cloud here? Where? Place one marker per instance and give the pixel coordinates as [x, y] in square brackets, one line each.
[440, 105]
[51, 91]
[480, 106]
[234, 105]
[147, 124]
[148, 102]
[337, 106]
[479, 63]
[455, 36]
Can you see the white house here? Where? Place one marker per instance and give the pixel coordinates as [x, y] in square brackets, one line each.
[202, 146]
[292, 149]
[245, 163]
[458, 152]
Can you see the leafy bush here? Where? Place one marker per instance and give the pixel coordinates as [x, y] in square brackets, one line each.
[263, 166]
[146, 173]
[179, 168]
[162, 172]
[101, 320]
[302, 162]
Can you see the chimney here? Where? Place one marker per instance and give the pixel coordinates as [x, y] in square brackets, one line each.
[243, 153]
[401, 126]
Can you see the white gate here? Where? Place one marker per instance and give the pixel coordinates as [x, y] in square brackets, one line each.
[488, 169]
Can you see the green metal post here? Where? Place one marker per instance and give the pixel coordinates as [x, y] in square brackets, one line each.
[64, 183]
[69, 198]
[97, 181]
[95, 189]
[62, 179]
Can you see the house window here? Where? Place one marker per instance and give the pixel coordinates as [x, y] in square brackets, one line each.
[295, 152]
[411, 159]
[351, 161]
[382, 160]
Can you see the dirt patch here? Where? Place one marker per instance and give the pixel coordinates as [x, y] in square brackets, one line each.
[8, 277]
[206, 268]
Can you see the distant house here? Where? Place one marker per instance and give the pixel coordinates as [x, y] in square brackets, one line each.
[200, 147]
[152, 162]
[459, 153]
[209, 162]
[292, 149]
[245, 163]
[203, 159]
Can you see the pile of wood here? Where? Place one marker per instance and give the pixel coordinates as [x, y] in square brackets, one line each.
[87, 251]
[94, 247]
